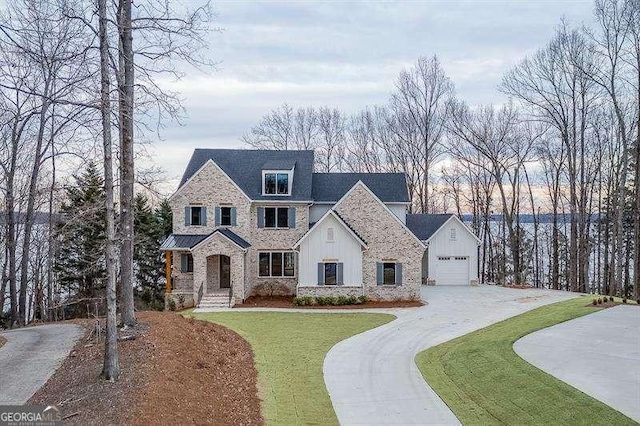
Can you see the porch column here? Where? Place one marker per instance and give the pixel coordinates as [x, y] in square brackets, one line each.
[167, 256]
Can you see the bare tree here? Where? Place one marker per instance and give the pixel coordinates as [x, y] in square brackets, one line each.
[420, 105]
[498, 137]
[111, 367]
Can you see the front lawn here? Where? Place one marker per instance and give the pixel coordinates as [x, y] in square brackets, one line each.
[289, 350]
[484, 381]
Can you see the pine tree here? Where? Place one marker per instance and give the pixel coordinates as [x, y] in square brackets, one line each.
[81, 261]
[152, 227]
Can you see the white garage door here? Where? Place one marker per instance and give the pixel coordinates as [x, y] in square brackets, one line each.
[452, 270]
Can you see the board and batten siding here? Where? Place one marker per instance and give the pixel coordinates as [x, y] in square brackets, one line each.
[315, 248]
[465, 245]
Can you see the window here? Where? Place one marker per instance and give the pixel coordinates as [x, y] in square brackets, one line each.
[276, 183]
[330, 235]
[196, 216]
[225, 216]
[452, 234]
[389, 273]
[276, 264]
[330, 273]
[186, 262]
[276, 217]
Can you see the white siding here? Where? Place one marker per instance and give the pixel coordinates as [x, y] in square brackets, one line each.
[465, 245]
[400, 210]
[315, 248]
[316, 211]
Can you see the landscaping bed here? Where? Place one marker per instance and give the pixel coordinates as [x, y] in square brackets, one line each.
[288, 302]
[2, 341]
[290, 348]
[175, 371]
[483, 381]
[610, 301]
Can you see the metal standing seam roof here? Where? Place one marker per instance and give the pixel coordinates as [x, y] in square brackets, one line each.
[389, 187]
[425, 225]
[188, 241]
[245, 166]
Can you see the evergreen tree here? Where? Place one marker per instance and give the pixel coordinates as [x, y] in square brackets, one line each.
[152, 227]
[80, 264]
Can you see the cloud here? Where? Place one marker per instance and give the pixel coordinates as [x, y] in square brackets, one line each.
[347, 55]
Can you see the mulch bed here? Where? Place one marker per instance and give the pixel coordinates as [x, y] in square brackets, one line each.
[175, 371]
[609, 304]
[2, 341]
[287, 302]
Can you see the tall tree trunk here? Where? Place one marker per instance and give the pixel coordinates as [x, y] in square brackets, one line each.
[30, 211]
[126, 163]
[111, 367]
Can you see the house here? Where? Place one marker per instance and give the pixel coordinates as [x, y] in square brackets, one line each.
[257, 222]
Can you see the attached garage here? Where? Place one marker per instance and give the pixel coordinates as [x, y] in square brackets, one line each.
[451, 270]
[451, 257]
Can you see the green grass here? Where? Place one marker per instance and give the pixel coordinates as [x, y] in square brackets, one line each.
[289, 350]
[484, 381]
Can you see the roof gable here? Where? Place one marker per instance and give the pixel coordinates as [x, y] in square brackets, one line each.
[361, 184]
[244, 168]
[388, 187]
[425, 226]
[340, 220]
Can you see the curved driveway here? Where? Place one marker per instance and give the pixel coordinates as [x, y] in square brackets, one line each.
[372, 378]
[598, 354]
[30, 356]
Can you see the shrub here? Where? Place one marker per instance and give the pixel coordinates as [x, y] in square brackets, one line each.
[624, 300]
[638, 301]
[610, 298]
[172, 304]
[599, 301]
[594, 302]
[342, 300]
[352, 300]
[297, 301]
[363, 299]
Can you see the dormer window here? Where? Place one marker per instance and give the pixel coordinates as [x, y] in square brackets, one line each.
[276, 182]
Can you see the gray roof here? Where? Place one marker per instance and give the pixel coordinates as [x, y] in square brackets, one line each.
[425, 225]
[389, 187]
[245, 167]
[233, 237]
[188, 241]
[175, 241]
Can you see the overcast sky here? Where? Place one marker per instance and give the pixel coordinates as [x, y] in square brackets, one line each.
[347, 55]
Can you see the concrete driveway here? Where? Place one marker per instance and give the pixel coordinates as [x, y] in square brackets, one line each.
[372, 378]
[598, 354]
[30, 356]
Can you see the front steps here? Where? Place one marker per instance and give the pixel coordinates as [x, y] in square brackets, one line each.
[219, 299]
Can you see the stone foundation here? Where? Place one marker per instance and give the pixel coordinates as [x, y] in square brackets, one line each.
[182, 300]
[329, 290]
[273, 287]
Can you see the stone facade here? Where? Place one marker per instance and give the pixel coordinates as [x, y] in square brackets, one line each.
[217, 244]
[387, 240]
[385, 236]
[269, 239]
[211, 188]
[181, 281]
[330, 290]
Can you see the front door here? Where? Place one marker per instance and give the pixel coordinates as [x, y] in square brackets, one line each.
[225, 271]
